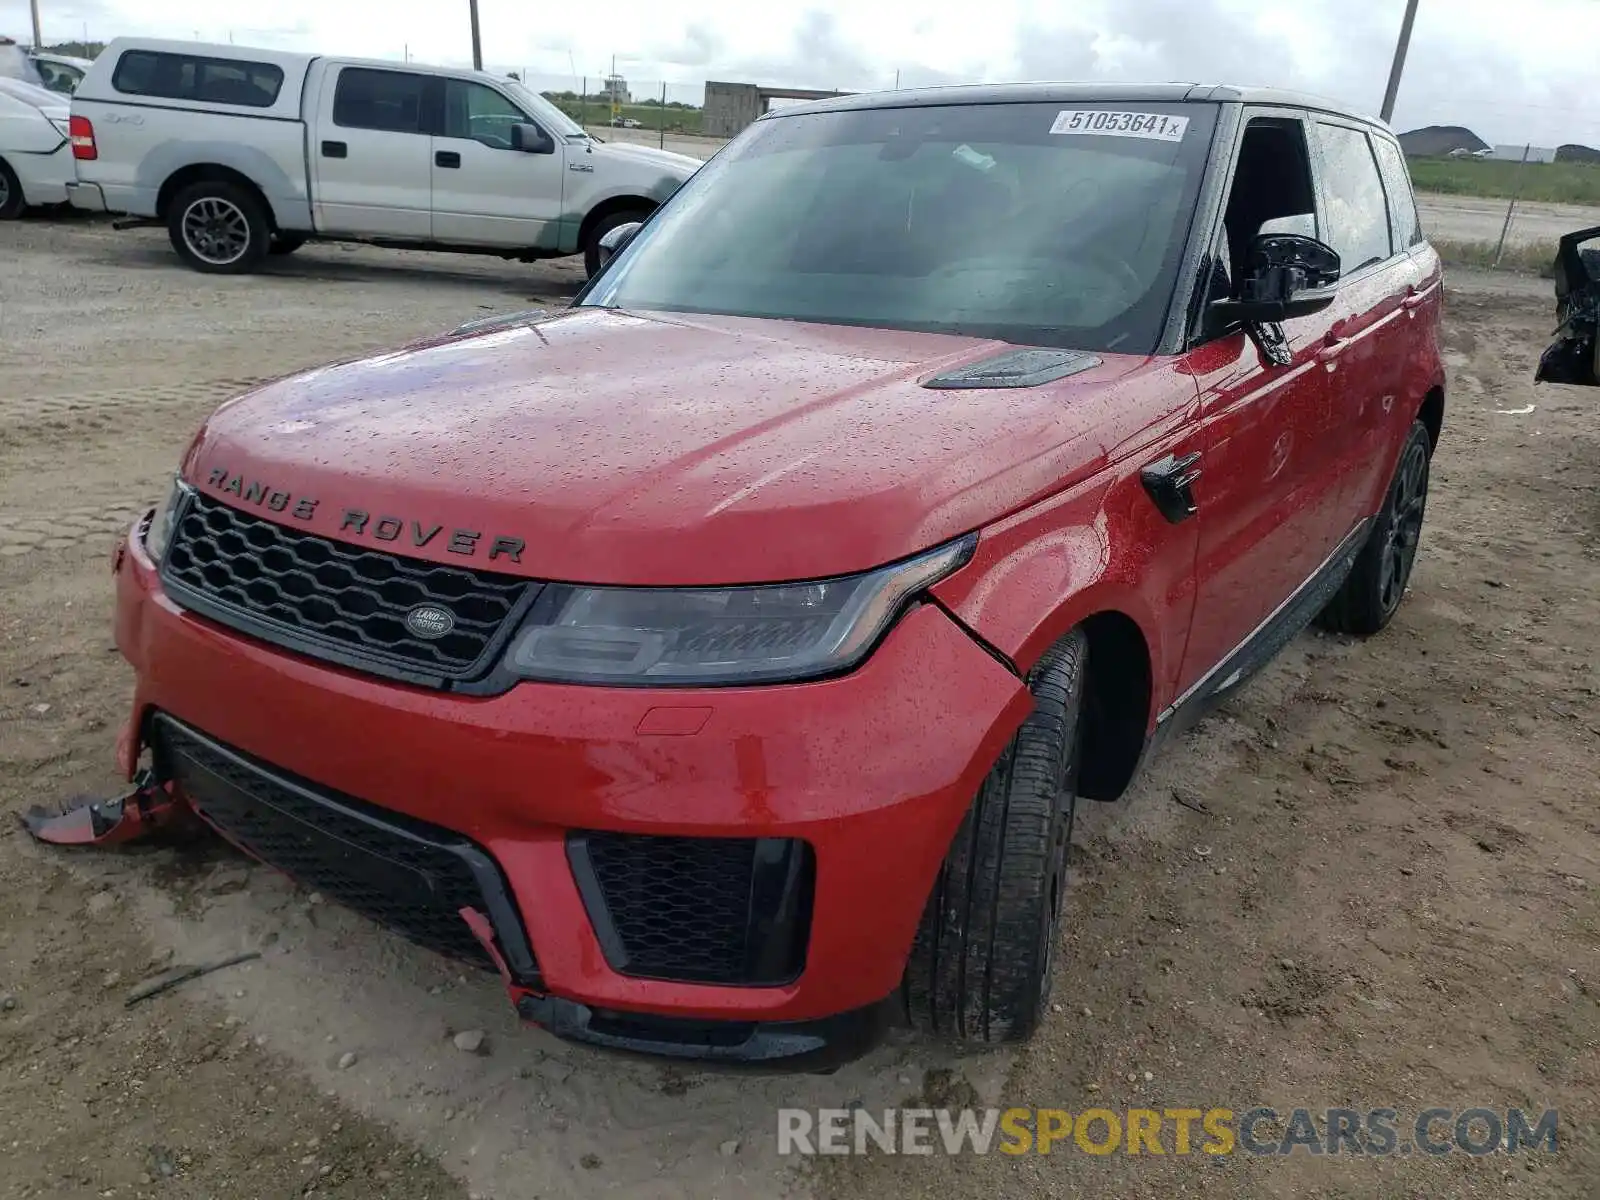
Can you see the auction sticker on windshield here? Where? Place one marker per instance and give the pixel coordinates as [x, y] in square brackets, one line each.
[1095, 122]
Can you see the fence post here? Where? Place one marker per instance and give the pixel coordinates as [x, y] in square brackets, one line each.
[1516, 192]
[661, 142]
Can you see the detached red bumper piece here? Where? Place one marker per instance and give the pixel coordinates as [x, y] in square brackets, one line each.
[717, 873]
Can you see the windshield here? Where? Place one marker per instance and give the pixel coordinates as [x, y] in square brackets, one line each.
[548, 115]
[1041, 224]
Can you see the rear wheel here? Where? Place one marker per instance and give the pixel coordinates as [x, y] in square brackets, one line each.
[11, 198]
[980, 966]
[1377, 582]
[219, 227]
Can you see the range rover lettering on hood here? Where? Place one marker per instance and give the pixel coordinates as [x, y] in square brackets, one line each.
[368, 526]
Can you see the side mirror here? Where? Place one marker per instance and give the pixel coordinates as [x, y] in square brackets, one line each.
[612, 243]
[1291, 275]
[530, 139]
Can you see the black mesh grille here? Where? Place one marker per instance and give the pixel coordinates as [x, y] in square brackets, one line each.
[703, 910]
[409, 875]
[333, 599]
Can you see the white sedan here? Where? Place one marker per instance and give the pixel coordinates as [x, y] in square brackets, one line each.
[36, 161]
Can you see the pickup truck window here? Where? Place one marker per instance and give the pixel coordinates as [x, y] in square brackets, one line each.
[207, 80]
[391, 101]
[477, 112]
[1021, 222]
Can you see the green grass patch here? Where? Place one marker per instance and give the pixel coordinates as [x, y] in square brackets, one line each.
[597, 111]
[1555, 183]
[1527, 260]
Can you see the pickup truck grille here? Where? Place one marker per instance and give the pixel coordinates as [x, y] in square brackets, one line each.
[343, 603]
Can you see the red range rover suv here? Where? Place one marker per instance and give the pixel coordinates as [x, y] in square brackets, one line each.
[722, 658]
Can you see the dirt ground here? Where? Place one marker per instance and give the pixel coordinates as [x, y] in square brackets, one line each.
[1372, 880]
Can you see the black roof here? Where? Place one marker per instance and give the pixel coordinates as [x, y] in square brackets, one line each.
[1079, 93]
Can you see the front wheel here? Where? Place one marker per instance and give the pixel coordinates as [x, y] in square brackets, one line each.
[980, 966]
[591, 246]
[1377, 582]
[219, 227]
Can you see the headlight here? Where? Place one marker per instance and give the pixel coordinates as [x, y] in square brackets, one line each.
[157, 537]
[692, 636]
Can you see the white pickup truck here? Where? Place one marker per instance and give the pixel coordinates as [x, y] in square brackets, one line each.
[245, 153]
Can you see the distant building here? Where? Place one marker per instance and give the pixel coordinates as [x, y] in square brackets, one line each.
[732, 106]
[616, 90]
[1539, 154]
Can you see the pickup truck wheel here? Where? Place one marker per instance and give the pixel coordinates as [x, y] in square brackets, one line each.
[1377, 582]
[980, 965]
[11, 199]
[591, 248]
[219, 228]
[286, 243]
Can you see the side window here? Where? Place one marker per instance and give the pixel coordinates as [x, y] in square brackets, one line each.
[472, 110]
[252, 84]
[1271, 188]
[210, 80]
[1403, 216]
[1358, 212]
[390, 101]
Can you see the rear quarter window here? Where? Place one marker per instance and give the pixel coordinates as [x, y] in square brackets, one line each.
[200, 80]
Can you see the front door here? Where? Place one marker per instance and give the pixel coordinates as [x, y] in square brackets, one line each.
[370, 151]
[1268, 489]
[485, 193]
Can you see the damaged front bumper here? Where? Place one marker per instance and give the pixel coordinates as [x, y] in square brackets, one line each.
[1571, 358]
[719, 877]
[90, 822]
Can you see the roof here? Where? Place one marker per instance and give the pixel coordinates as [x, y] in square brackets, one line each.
[1080, 93]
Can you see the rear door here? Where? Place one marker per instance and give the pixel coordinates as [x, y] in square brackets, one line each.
[1267, 491]
[371, 153]
[1366, 351]
[485, 193]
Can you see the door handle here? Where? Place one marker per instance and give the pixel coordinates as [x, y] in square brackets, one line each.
[1415, 298]
[447, 158]
[1170, 482]
[335, 150]
[1333, 342]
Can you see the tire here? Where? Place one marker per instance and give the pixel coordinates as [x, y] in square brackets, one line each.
[219, 227]
[1372, 592]
[980, 964]
[591, 248]
[12, 201]
[285, 243]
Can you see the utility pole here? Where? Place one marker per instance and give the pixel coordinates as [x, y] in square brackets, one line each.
[38, 37]
[477, 42]
[1399, 60]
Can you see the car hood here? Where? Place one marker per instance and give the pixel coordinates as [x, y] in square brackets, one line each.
[632, 448]
[681, 166]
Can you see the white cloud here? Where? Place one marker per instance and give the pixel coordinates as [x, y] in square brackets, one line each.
[1512, 73]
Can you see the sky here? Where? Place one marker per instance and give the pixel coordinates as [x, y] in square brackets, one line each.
[1512, 72]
